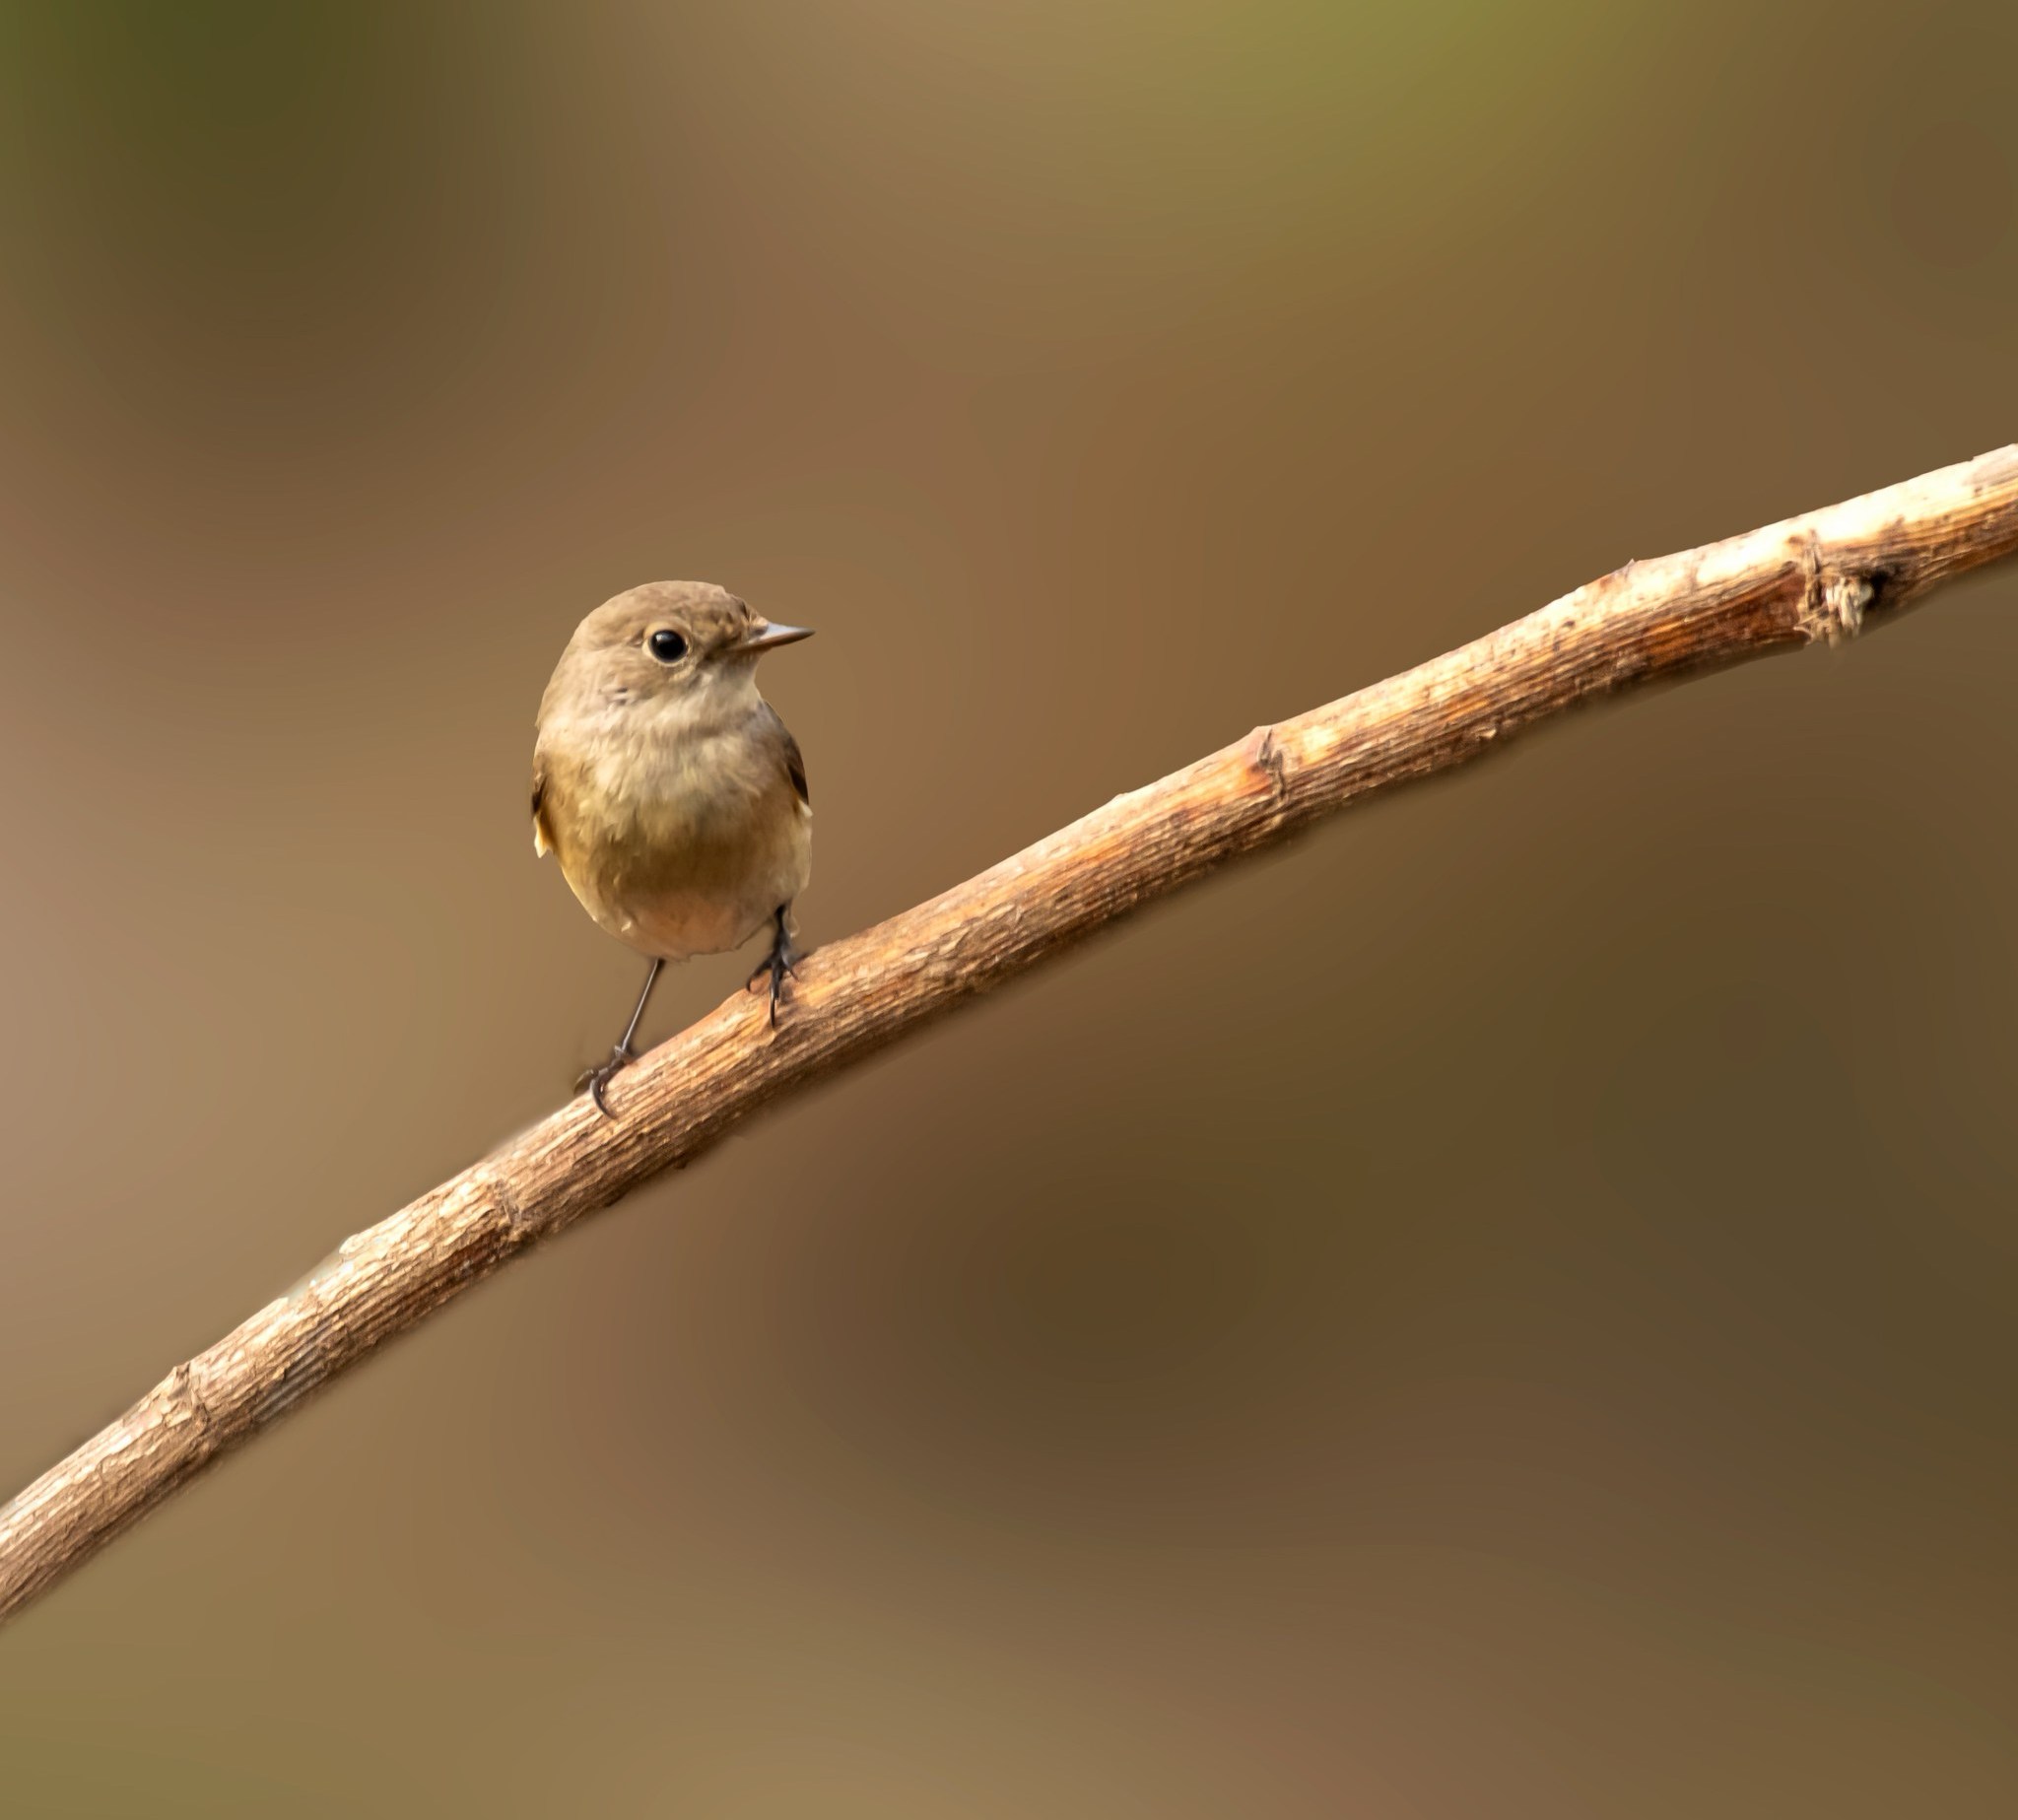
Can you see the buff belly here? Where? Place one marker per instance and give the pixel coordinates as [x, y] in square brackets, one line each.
[674, 884]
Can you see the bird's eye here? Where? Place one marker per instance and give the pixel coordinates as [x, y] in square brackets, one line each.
[666, 646]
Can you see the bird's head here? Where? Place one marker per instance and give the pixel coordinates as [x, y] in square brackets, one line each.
[688, 645]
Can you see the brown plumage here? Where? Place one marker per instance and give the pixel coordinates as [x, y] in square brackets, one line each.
[669, 790]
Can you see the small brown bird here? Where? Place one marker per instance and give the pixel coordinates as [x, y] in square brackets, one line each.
[669, 790]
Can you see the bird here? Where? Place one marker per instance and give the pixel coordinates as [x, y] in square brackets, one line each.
[669, 790]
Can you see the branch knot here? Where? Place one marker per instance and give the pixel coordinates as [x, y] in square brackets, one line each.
[1268, 758]
[1836, 598]
[182, 1393]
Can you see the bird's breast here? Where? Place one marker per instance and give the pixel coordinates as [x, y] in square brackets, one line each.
[677, 846]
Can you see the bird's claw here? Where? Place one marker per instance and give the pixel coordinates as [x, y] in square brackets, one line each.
[782, 960]
[599, 1077]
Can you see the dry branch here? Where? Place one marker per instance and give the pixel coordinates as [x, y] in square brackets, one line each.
[1824, 575]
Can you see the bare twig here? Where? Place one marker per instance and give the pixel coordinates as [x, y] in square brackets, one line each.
[1820, 577]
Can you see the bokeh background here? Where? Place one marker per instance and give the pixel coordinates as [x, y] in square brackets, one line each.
[1507, 1308]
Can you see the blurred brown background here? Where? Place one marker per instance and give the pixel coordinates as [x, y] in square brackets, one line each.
[1507, 1308]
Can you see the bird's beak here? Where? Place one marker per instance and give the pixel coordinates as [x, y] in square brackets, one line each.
[763, 635]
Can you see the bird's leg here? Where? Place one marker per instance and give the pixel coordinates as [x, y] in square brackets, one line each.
[785, 958]
[596, 1079]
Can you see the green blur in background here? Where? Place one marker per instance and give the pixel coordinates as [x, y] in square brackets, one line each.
[1507, 1308]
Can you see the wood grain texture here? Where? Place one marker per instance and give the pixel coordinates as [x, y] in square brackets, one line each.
[1821, 576]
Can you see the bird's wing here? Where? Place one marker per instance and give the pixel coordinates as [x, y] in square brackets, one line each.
[794, 760]
[542, 835]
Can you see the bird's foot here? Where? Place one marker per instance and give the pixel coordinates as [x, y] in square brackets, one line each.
[600, 1076]
[784, 960]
